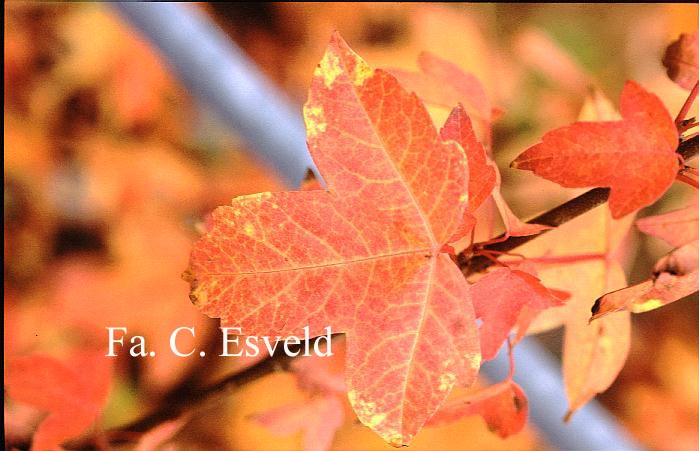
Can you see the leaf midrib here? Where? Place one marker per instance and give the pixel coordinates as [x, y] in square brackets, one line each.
[423, 218]
[424, 251]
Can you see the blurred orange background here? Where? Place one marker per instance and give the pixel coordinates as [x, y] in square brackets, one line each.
[110, 168]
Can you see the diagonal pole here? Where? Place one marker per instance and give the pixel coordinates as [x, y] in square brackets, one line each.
[216, 71]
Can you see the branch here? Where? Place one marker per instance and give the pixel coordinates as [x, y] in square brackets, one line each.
[185, 398]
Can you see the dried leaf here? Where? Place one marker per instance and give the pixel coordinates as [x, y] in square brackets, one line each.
[676, 276]
[593, 354]
[681, 60]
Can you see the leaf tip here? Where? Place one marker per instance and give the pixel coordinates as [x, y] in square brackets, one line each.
[568, 416]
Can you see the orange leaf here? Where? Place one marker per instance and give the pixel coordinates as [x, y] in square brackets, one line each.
[484, 177]
[681, 60]
[583, 256]
[635, 157]
[364, 253]
[73, 393]
[499, 300]
[481, 173]
[593, 354]
[503, 406]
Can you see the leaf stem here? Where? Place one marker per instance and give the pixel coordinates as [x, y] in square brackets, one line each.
[689, 181]
[687, 105]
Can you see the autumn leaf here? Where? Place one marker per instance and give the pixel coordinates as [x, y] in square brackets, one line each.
[501, 298]
[366, 252]
[73, 393]
[537, 50]
[677, 227]
[484, 177]
[635, 156]
[594, 354]
[481, 172]
[681, 60]
[513, 225]
[676, 276]
[582, 256]
[503, 406]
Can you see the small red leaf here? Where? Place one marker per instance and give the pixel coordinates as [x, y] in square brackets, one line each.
[499, 299]
[481, 172]
[635, 157]
[681, 60]
[73, 393]
[503, 406]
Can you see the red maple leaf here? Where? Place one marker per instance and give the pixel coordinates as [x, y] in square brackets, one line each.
[635, 156]
[364, 256]
[484, 177]
[504, 298]
[73, 393]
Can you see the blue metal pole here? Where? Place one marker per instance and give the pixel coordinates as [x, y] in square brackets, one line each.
[218, 72]
[591, 428]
